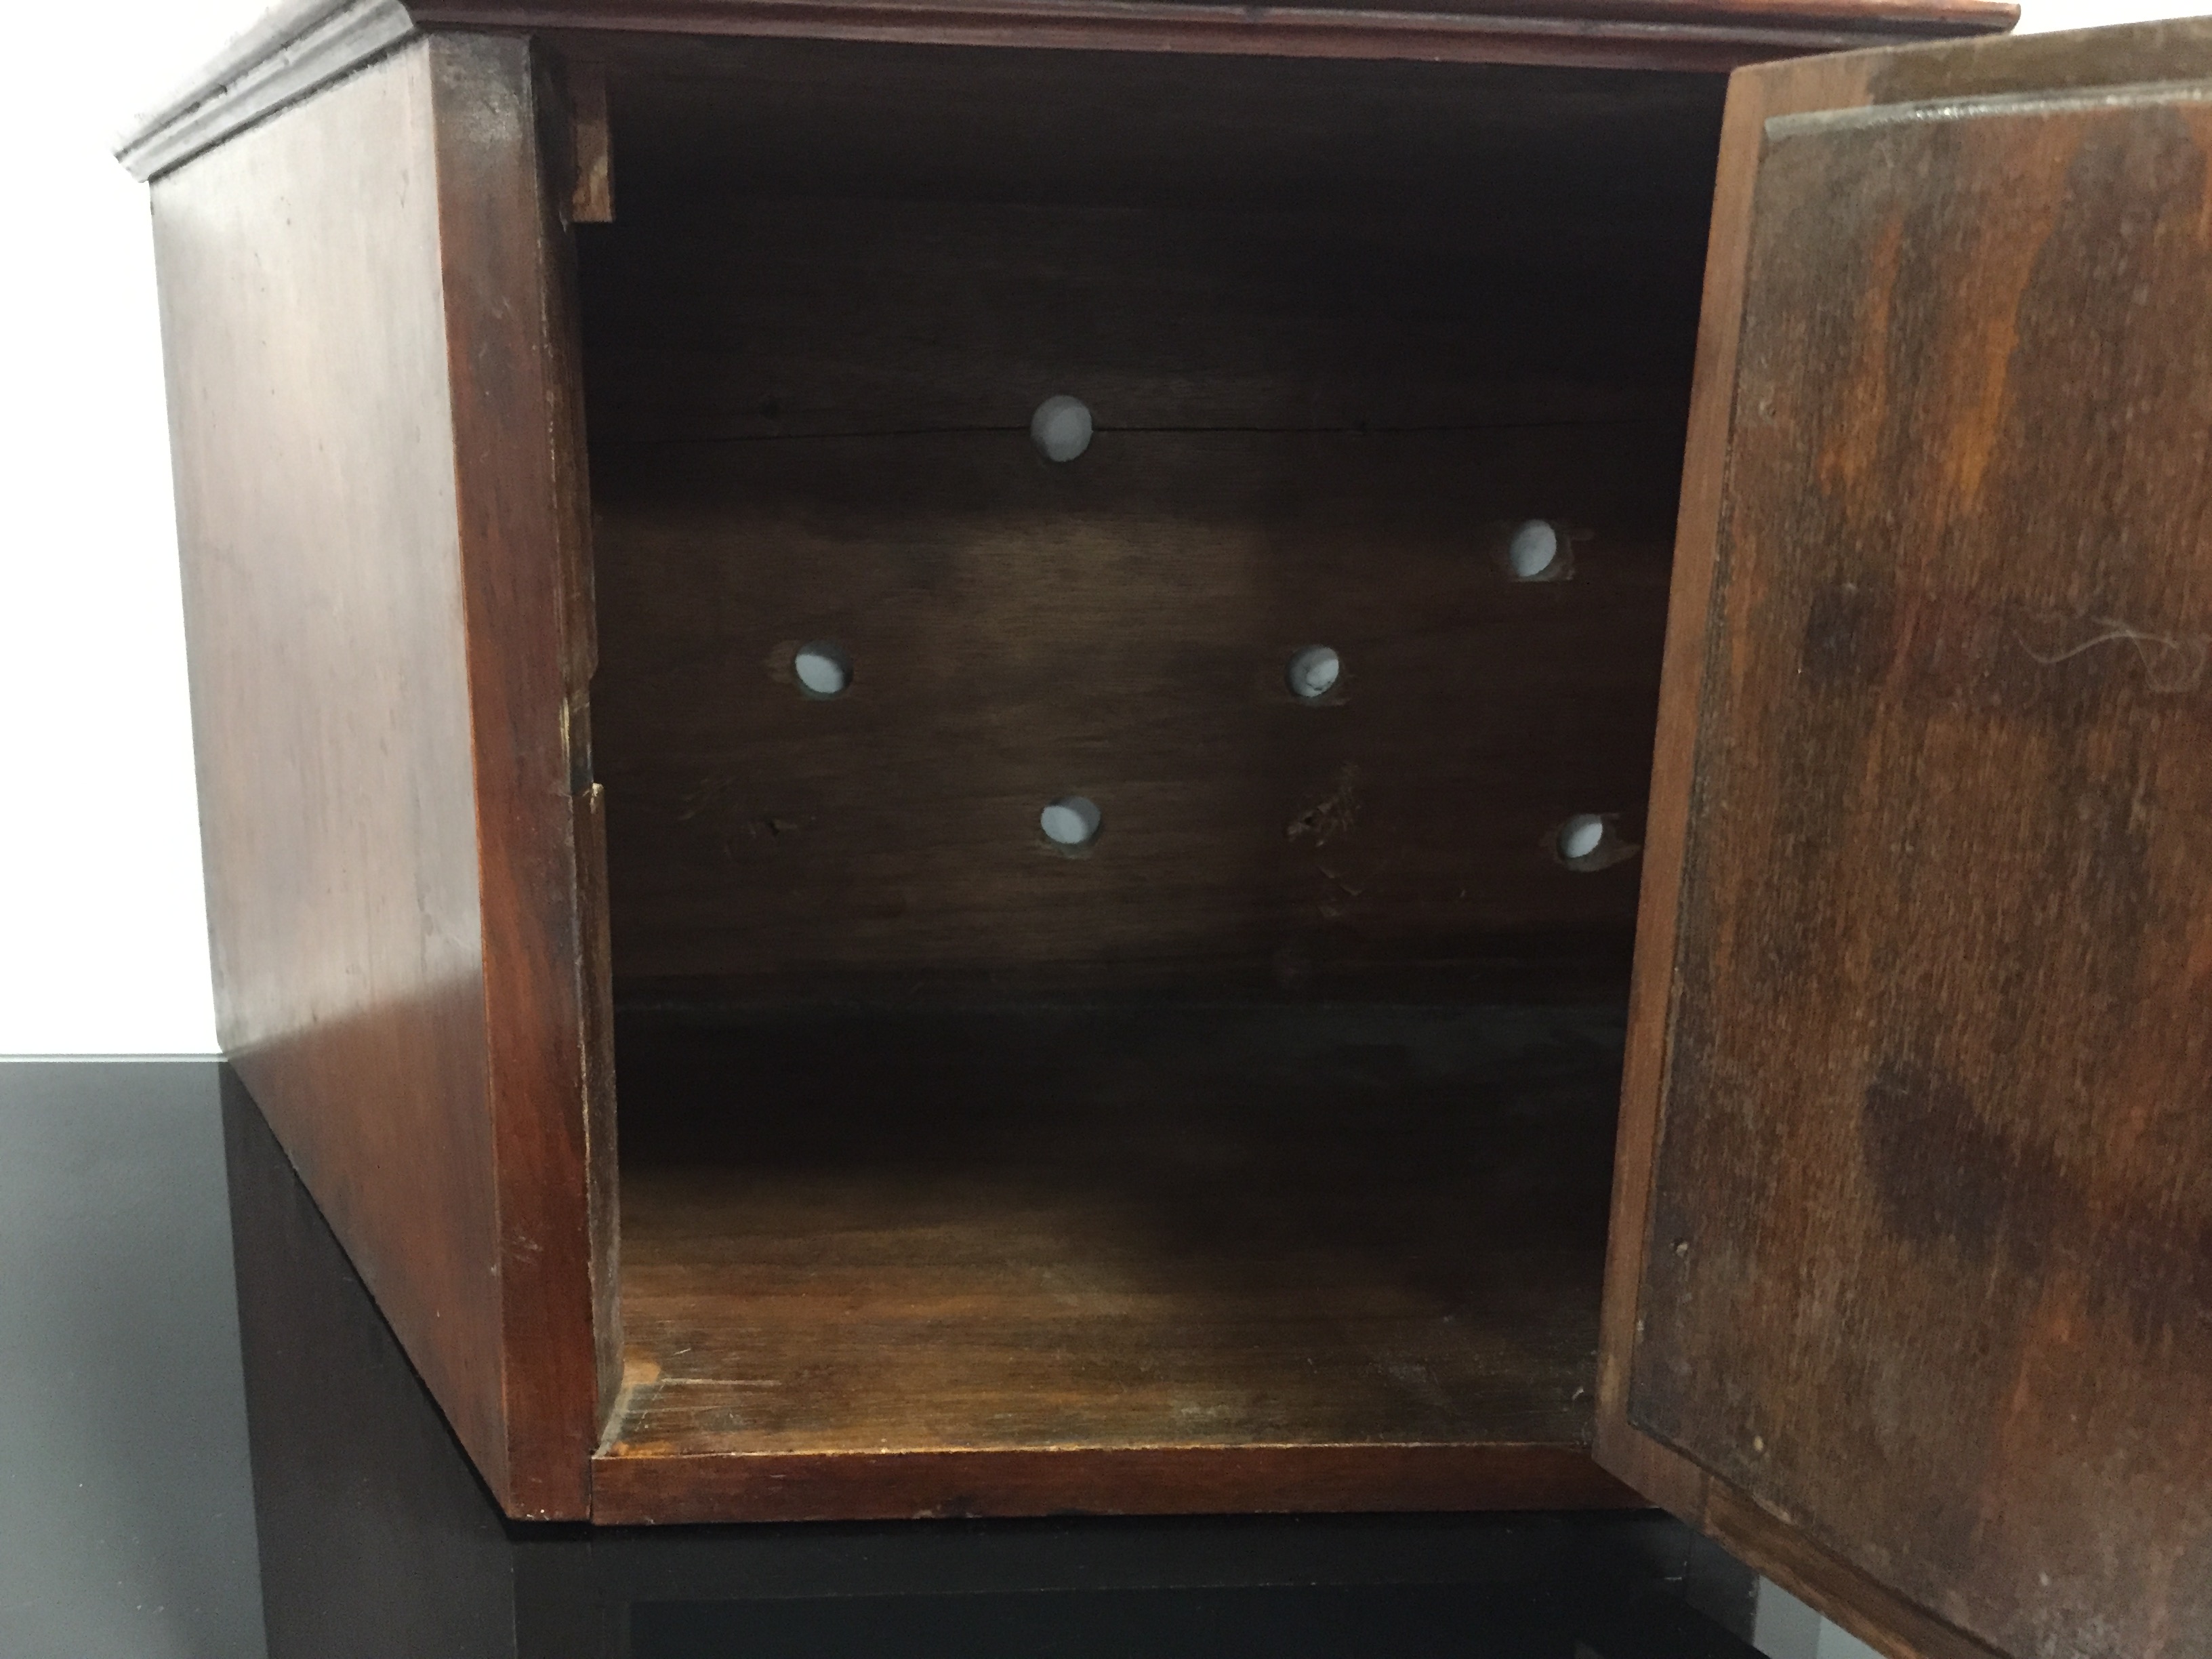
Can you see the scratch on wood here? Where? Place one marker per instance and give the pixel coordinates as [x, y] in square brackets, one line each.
[1334, 816]
[2172, 664]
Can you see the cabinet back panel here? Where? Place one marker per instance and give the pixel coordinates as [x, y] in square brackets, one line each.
[1316, 424]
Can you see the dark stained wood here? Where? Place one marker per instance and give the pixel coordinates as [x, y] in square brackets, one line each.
[1343, 324]
[376, 1538]
[372, 572]
[1121, 633]
[876, 238]
[603, 1187]
[1875, 19]
[1924, 1282]
[1657, 1471]
[522, 523]
[569, 100]
[809, 420]
[592, 200]
[305, 45]
[1709, 35]
[329, 695]
[1859, 1603]
[695, 1486]
[1144, 1259]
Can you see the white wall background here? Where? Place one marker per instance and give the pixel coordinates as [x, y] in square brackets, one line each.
[103, 946]
[102, 934]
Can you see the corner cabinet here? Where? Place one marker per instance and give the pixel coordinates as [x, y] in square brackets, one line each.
[1072, 658]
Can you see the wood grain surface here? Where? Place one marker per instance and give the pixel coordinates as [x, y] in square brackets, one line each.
[1923, 1285]
[1109, 1258]
[372, 550]
[1316, 424]
[323, 597]
[524, 562]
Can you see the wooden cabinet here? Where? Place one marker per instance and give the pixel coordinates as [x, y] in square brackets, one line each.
[1026, 642]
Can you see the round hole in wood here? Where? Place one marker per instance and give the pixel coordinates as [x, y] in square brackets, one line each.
[822, 669]
[1313, 672]
[1062, 427]
[1072, 821]
[1534, 550]
[1581, 836]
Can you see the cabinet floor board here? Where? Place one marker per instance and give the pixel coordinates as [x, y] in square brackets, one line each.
[1120, 1256]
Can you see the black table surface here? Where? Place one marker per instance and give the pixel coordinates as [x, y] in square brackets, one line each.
[211, 1445]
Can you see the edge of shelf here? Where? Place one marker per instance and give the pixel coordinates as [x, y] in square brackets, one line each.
[1059, 1480]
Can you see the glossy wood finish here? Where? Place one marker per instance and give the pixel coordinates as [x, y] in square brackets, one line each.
[1925, 1216]
[1146, 1259]
[371, 550]
[305, 45]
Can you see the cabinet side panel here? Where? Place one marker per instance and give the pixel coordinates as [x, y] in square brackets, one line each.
[517, 450]
[314, 443]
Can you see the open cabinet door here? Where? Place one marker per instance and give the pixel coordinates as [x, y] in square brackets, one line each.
[1910, 1294]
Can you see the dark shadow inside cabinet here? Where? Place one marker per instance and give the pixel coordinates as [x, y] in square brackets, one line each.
[1124, 951]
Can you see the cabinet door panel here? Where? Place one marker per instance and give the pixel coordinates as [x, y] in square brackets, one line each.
[1917, 1144]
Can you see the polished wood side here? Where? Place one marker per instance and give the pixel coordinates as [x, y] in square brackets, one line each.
[352, 301]
[1913, 1222]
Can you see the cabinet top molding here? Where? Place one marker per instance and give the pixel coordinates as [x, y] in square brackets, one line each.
[302, 45]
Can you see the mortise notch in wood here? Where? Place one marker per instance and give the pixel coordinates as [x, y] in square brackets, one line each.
[592, 194]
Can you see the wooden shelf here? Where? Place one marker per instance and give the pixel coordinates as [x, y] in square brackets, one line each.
[1126, 1259]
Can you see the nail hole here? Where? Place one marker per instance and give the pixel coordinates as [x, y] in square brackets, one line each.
[1534, 550]
[1062, 427]
[822, 669]
[1071, 821]
[1313, 672]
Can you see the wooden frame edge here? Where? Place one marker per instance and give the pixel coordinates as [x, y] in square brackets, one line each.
[513, 429]
[305, 45]
[294, 51]
[1665, 1476]
[709, 1487]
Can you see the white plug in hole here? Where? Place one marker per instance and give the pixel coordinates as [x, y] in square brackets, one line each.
[822, 669]
[1313, 672]
[1591, 841]
[1581, 836]
[1533, 550]
[1070, 822]
[1062, 427]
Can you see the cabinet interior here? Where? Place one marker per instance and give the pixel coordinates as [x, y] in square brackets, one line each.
[1280, 1114]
